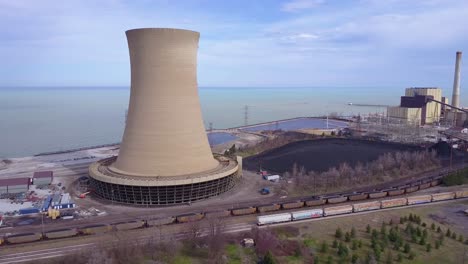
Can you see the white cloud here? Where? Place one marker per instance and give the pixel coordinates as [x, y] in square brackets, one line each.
[299, 5]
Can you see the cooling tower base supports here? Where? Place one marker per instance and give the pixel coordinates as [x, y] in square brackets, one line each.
[160, 191]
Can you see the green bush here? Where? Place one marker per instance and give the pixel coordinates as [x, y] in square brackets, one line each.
[457, 178]
[338, 233]
[324, 247]
[407, 248]
[353, 232]
[268, 258]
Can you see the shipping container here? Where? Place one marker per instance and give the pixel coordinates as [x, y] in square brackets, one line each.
[268, 208]
[244, 211]
[221, 213]
[358, 196]
[338, 199]
[185, 218]
[394, 202]
[307, 214]
[272, 219]
[336, 210]
[23, 238]
[95, 229]
[61, 233]
[292, 205]
[28, 211]
[461, 193]
[378, 194]
[315, 201]
[419, 199]
[411, 189]
[161, 221]
[443, 196]
[396, 192]
[128, 225]
[367, 206]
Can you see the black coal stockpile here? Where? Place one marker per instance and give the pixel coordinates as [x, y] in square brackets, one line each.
[321, 154]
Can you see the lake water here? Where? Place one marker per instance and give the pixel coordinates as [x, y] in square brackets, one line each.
[42, 119]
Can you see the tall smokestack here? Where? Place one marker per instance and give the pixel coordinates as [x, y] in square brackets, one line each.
[456, 81]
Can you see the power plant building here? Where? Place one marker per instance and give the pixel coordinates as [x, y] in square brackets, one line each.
[415, 107]
[164, 157]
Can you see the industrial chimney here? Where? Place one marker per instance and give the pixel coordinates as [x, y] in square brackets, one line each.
[456, 81]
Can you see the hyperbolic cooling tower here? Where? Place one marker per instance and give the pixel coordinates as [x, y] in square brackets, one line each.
[164, 134]
[164, 149]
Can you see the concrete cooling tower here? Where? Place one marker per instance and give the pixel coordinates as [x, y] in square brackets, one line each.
[165, 157]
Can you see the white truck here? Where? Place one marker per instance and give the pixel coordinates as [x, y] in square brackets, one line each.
[271, 177]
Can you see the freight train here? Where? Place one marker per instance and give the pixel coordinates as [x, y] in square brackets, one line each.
[359, 207]
[316, 201]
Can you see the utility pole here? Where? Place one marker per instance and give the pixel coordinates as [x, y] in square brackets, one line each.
[210, 126]
[42, 222]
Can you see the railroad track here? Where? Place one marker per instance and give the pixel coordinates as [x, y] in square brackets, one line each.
[55, 252]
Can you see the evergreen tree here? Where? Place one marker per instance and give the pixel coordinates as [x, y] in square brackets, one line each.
[460, 238]
[407, 248]
[359, 243]
[389, 258]
[347, 237]
[400, 257]
[368, 229]
[353, 232]
[437, 244]
[439, 230]
[433, 227]
[335, 244]
[268, 258]
[338, 233]
[354, 258]
[324, 247]
[428, 247]
[448, 233]
[354, 246]
[316, 260]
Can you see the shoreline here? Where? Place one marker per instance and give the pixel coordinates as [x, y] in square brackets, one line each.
[226, 130]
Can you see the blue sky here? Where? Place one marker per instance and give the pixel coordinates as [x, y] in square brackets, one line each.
[248, 43]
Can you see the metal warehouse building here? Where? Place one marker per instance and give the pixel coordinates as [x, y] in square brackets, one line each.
[17, 185]
[41, 178]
